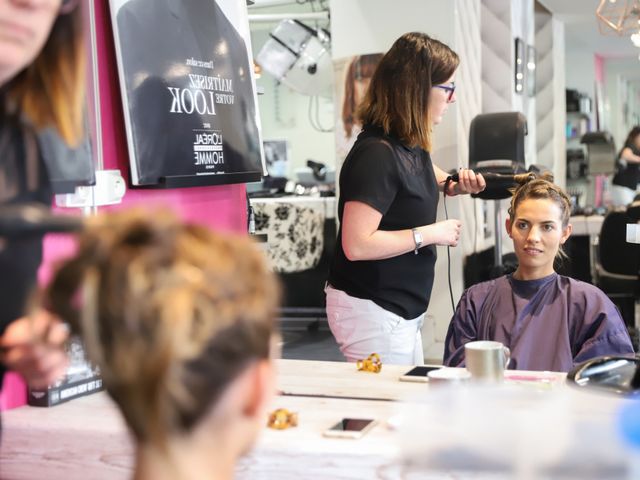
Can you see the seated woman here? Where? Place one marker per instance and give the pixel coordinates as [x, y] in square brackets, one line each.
[549, 321]
[180, 321]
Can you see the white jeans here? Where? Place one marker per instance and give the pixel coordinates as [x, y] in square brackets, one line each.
[621, 196]
[361, 328]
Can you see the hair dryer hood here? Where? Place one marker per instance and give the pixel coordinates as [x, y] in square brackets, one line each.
[299, 57]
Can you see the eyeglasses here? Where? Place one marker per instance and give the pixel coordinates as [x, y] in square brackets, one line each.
[451, 88]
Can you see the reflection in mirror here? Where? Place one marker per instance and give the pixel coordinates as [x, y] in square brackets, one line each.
[620, 375]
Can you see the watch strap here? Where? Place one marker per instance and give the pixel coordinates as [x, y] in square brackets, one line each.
[417, 239]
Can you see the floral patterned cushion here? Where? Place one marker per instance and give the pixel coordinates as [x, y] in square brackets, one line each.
[294, 234]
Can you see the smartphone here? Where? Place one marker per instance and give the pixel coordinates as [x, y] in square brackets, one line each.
[350, 428]
[418, 374]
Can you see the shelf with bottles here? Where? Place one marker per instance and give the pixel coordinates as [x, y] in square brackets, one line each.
[578, 108]
[577, 125]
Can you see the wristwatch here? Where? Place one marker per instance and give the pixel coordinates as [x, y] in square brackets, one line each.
[417, 238]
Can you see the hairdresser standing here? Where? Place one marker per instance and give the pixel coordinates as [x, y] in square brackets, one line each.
[381, 277]
[41, 85]
[627, 177]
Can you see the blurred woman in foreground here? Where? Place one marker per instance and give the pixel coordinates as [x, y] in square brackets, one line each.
[180, 321]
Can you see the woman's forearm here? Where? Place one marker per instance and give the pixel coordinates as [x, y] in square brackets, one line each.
[629, 156]
[382, 244]
[379, 245]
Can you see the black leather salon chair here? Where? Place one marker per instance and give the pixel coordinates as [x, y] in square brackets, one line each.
[496, 146]
[617, 264]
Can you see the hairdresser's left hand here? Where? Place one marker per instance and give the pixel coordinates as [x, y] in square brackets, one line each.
[469, 182]
[34, 347]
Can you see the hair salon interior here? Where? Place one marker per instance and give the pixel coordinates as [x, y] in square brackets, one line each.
[542, 86]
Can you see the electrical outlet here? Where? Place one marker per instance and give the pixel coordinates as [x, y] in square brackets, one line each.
[109, 189]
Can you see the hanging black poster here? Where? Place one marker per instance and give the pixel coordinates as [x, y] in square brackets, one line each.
[188, 93]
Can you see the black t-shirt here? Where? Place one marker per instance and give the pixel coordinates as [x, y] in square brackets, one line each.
[24, 179]
[627, 173]
[399, 182]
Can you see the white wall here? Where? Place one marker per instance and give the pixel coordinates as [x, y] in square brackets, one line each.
[618, 92]
[367, 26]
[580, 72]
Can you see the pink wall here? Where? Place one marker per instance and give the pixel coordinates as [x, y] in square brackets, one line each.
[599, 69]
[220, 207]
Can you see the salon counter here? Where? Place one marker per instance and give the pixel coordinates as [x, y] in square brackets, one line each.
[343, 380]
[86, 438]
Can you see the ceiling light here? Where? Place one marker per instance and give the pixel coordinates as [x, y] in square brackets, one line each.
[618, 18]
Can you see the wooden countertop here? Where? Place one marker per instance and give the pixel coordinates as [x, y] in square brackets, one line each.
[343, 380]
[87, 439]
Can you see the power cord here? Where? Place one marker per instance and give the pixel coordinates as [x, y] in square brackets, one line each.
[313, 112]
[447, 182]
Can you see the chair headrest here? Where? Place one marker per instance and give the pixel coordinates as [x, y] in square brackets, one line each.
[497, 136]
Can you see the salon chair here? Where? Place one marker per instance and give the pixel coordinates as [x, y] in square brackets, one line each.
[617, 263]
[496, 149]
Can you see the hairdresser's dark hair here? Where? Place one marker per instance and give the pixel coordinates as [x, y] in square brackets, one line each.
[631, 139]
[397, 98]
